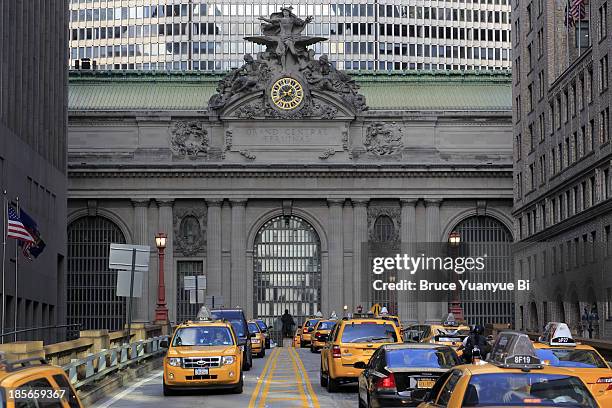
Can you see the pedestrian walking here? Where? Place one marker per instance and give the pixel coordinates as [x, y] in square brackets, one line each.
[288, 323]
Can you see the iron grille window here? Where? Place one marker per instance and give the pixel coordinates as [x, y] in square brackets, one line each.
[185, 310]
[486, 235]
[384, 234]
[383, 228]
[287, 270]
[91, 286]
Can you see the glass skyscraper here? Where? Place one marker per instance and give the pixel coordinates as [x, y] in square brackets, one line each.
[363, 34]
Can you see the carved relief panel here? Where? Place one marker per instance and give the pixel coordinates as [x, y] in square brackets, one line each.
[189, 230]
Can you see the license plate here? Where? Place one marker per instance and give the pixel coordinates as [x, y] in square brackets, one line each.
[201, 371]
[426, 383]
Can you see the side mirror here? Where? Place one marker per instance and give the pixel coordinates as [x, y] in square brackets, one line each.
[419, 394]
[163, 344]
[360, 364]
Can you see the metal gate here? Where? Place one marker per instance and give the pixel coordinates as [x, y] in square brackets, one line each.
[184, 309]
[287, 270]
[90, 285]
[482, 235]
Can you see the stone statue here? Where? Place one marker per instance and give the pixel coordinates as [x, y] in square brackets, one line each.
[286, 54]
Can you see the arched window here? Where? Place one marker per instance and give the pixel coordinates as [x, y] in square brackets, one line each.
[384, 229]
[90, 285]
[479, 236]
[287, 269]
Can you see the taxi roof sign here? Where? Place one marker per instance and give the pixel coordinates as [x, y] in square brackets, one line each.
[557, 334]
[204, 314]
[514, 350]
[450, 321]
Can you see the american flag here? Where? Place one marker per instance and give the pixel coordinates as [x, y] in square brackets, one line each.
[577, 10]
[16, 229]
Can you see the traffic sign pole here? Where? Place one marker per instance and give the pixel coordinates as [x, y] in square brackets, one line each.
[129, 317]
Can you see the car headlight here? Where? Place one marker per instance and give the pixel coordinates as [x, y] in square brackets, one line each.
[174, 361]
[227, 360]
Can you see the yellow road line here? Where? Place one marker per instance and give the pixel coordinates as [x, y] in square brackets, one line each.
[264, 392]
[261, 378]
[313, 395]
[298, 380]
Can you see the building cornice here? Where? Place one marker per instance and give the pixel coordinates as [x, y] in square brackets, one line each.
[288, 171]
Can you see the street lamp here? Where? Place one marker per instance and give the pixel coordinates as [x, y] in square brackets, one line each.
[161, 311]
[454, 239]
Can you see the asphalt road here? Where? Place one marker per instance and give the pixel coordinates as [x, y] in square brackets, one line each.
[286, 377]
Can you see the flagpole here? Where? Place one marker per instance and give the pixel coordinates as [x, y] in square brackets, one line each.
[16, 275]
[4, 233]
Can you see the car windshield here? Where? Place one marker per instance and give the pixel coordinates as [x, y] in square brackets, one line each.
[326, 325]
[203, 336]
[235, 317]
[262, 325]
[253, 327]
[369, 333]
[422, 358]
[571, 358]
[527, 389]
[310, 323]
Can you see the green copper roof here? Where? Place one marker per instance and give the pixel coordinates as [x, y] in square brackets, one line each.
[158, 91]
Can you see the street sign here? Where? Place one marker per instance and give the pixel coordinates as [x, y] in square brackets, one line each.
[214, 302]
[120, 257]
[123, 283]
[195, 287]
[376, 309]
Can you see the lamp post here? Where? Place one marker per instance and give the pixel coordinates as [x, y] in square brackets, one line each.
[161, 311]
[454, 307]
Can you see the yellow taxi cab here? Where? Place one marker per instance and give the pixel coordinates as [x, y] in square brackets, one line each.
[306, 333]
[35, 383]
[297, 338]
[350, 341]
[321, 330]
[513, 377]
[557, 348]
[384, 314]
[258, 342]
[203, 354]
[448, 333]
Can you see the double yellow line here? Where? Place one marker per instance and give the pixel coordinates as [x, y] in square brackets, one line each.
[307, 395]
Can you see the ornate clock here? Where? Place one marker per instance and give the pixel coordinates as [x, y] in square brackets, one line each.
[287, 93]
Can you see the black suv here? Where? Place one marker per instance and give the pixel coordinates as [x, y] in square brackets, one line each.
[241, 327]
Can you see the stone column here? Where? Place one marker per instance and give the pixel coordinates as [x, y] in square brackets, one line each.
[238, 274]
[435, 310]
[213, 247]
[143, 311]
[336, 257]
[226, 252]
[360, 238]
[407, 302]
[349, 282]
[166, 224]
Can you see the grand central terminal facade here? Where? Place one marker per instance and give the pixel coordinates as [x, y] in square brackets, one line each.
[268, 180]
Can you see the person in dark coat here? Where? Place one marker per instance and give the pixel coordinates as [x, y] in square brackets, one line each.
[476, 341]
[288, 323]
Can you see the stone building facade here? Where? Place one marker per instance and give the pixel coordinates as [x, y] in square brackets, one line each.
[33, 121]
[271, 178]
[562, 160]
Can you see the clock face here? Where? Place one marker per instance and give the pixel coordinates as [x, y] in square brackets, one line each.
[287, 93]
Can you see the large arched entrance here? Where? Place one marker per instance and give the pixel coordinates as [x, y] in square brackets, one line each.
[91, 286]
[287, 269]
[480, 236]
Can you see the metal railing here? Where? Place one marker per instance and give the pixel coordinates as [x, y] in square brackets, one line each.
[98, 365]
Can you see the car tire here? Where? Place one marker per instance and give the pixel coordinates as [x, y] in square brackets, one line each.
[322, 378]
[313, 349]
[332, 385]
[262, 353]
[302, 344]
[248, 362]
[239, 388]
[268, 344]
[168, 392]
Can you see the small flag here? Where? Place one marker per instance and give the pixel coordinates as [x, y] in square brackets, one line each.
[577, 10]
[31, 249]
[16, 229]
